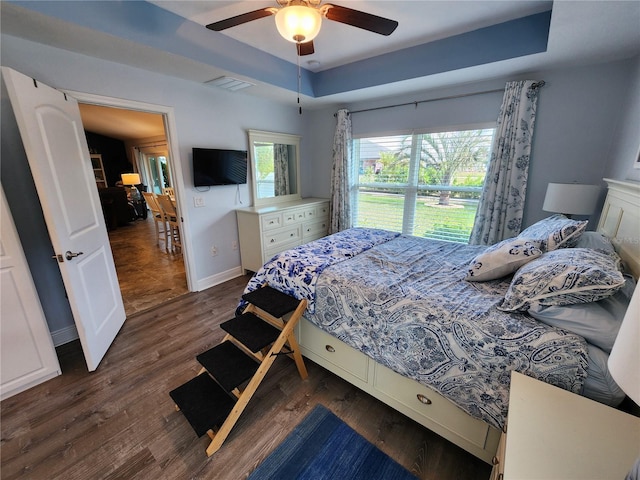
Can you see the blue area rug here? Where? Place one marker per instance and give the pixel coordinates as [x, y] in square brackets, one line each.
[323, 447]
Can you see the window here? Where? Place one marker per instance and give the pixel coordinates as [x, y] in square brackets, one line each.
[422, 184]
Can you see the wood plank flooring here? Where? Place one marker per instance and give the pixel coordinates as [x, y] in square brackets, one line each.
[120, 423]
[148, 275]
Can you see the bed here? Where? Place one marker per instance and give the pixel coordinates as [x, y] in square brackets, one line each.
[425, 327]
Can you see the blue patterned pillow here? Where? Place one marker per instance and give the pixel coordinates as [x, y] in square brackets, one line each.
[502, 259]
[556, 231]
[564, 277]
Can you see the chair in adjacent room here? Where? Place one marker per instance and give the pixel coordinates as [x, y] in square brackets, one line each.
[173, 221]
[169, 191]
[162, 233]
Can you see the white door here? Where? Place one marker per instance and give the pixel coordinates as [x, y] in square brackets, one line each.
[56, 147]
[27, 354]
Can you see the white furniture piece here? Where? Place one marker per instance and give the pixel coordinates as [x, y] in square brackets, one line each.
[98, 170]
[28, 356]
[555, 434]
[268, 230]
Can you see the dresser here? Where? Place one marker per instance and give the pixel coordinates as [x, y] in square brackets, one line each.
[555, 434]
[268, 230]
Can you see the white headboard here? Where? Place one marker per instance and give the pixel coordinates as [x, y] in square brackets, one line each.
[620, 221]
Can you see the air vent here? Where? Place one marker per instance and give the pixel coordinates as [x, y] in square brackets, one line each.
[229, 83]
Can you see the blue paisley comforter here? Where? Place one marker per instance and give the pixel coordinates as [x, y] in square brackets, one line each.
[402, 301]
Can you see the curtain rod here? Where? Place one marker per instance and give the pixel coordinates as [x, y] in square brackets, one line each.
[450, 97]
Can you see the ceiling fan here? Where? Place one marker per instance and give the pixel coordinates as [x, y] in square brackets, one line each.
[299, 21]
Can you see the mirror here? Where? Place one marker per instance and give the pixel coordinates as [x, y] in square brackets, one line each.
[275, 167]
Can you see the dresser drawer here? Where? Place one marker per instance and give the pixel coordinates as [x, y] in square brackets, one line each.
[278, 238]
[271, 252]
[428, 403]
[289, 217]
[322, 212]
[271, 221]
[312, 231]
[298, 215]
[333, 350]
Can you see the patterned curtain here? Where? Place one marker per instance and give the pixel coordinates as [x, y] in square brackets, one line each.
[340, 209]
[281, 169]
[502, 200]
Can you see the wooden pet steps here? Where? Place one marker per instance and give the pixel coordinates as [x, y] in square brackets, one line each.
[213, 401]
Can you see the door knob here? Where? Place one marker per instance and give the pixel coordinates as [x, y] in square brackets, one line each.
[69, 255]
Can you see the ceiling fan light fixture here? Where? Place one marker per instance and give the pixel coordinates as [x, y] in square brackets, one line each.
[298, 23]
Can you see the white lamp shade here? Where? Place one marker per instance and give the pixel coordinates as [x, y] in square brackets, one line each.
[624, 360]
[130, 178]
[298, 24]
[571, 198]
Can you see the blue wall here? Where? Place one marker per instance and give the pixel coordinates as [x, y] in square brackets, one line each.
[587, 126]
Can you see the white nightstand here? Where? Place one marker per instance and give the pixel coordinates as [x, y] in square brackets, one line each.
[555, 434]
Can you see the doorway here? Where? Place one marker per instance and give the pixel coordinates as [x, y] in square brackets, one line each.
[148, 273]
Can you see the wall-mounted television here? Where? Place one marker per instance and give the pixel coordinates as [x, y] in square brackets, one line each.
[213, 166]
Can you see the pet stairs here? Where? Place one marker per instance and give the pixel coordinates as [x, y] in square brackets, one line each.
[213, 401]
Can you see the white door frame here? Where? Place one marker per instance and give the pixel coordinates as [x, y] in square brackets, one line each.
[175, 165]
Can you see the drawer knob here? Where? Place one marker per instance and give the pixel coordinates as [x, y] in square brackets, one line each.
[329, 348]
[423, 399]
[273, 240]
[291, 234]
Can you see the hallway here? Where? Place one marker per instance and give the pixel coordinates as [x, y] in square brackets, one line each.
[148, 275]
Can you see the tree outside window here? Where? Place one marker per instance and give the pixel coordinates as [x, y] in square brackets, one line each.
[425, 184]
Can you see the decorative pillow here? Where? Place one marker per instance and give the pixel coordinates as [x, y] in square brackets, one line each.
[556, 231]
[502, 259]
[564, 277]
[597, 322]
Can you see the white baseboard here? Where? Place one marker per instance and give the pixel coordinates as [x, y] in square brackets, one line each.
[218, 278]
[64, 335]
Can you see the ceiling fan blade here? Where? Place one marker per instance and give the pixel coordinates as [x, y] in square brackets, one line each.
[305, 48]
[242, 18]
[359, 19]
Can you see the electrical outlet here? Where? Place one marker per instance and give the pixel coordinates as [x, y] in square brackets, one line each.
[214, 251]
[198, 202]
[234, 245]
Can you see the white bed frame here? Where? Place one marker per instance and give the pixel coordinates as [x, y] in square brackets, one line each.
[620, 221]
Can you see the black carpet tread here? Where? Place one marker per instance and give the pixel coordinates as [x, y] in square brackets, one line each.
[203, 402]
[228, 365]
[272, 301]
[250, 330]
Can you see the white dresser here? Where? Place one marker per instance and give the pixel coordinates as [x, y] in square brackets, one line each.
[269, 230]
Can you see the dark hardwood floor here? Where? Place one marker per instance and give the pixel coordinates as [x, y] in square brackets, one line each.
[148, 275]
[120, 423]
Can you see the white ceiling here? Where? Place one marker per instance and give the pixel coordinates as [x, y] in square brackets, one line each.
[581, 32]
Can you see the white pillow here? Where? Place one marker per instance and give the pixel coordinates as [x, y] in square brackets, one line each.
[564, 277]
[502, 259]
[556, 231]
[598, 322]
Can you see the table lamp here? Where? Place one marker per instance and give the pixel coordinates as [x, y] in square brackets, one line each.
[571, 198]
[131, 180]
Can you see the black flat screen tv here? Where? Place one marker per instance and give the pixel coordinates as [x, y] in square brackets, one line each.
[213, 166]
